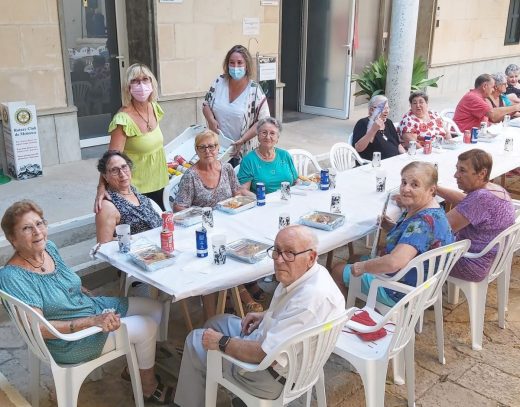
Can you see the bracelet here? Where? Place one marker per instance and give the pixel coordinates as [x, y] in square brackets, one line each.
[71, 326]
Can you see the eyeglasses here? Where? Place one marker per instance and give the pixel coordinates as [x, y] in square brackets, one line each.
[29, 230]
[145, 81]
[210, 147]
[271, 134]
[115, 171]
[288, 256]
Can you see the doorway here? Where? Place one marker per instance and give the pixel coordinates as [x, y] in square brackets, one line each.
[317, 38]
[95, 35]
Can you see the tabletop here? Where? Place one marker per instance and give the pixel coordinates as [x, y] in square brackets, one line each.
[360, 203]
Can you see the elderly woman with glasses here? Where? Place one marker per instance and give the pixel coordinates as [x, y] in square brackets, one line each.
[513, 87]
[267, 163]
[498, 97]
[37, 275]
[126, 205]
[205, 184]
[135, 131]
[420, 121]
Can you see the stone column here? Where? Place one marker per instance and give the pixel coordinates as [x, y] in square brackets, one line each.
[400, 56]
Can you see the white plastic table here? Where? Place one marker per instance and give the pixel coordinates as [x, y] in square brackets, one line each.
[361, 205]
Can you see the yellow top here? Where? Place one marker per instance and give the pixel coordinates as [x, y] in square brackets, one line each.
[150, 172]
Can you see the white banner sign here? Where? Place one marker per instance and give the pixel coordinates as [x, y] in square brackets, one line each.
[251, 26]
[266, 68]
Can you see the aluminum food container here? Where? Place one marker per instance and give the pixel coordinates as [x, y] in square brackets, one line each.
[188, 217]
[247, 250]
[452, 144]
[150, 257]
[237, 204]
[322, 220]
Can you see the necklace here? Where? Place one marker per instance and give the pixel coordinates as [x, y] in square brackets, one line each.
[40, 266]
[122, 193]
[141, 116]
[266, 157]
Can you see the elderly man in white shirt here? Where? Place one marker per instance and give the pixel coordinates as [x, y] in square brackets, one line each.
[305, 297]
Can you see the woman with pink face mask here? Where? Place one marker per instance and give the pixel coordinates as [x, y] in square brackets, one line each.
[235, 102]
[135, 131]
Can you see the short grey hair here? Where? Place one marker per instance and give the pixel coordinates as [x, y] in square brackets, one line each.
[305, 233]
[512, 68]
[377, 99]
[499, 78]
[268, 120]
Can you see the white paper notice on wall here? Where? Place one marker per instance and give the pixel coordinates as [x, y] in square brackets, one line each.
[251, 26]
[171, 1]
[269, 2]
[266, 68]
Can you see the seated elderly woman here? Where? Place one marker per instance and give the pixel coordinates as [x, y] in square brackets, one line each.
[205, 184]
[420, 122]
[267, 163]
[37, 275]
[483, 210]
[378, 135]
[127, 205]
[498, 97]
[208, 181]
[513, 87]
[422, 226]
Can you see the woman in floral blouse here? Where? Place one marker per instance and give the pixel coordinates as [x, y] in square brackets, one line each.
[420, 122]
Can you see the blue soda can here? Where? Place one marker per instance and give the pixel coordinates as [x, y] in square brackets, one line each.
[260, 194]
[202, 242]
[474, 135]
[324, 180]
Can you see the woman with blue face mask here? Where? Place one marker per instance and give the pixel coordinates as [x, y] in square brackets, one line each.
[235, 103]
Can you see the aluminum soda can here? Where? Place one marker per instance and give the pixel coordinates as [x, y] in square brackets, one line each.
[376, 159]
[412, 147]
[474, 135]
[260, 194]
[467, 137]
[508, 146]
[332, 178]
[427, 148]
[335, 202]
[167, 221]
[201, 237]
[324, 180]
[180, 159]
[285, 191]
[167, 241]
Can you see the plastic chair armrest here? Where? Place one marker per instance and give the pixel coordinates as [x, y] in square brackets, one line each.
[392, 285]
[250, 367]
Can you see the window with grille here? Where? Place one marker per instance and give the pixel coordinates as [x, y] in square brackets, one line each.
[513, 23]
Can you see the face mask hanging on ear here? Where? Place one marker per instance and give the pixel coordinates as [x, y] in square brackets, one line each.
[237, 73]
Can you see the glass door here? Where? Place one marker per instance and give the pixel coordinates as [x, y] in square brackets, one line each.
[327, 57]
[95, 34]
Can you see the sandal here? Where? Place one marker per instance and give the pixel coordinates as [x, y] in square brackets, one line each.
[161, 396]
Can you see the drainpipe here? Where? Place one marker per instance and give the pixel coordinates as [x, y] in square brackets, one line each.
[400, 56]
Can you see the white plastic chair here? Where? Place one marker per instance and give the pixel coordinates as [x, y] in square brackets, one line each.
[449, 113]
[476, 292]
[370, 359]
[306, 353]
[303, 160]
[447, 117]
[350, 139]
[170, 192]
[437, 262]
[68, 378]
[343, 157]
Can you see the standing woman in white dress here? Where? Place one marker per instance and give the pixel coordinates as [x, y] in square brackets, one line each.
[235, 102]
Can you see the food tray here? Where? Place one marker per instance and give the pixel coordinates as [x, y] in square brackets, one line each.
[322, 220]
[247, 250]
[188, 217]
[237, 204]
[149, 256]
[452, 144]
[488, 138]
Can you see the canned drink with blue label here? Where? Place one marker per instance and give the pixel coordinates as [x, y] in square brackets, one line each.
[474, 135]
[324, 179]
[260, 193]
[202, 242]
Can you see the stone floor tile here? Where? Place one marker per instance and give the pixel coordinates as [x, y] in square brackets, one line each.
[492, 383]
[450, 394]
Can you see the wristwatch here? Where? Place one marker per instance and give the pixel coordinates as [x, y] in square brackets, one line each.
[223, 343]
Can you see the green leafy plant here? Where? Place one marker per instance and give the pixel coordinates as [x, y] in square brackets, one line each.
[372, 80]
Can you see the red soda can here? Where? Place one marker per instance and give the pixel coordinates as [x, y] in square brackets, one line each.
[467, 137]
[167, 221]
[427, 146]
[167, 241]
